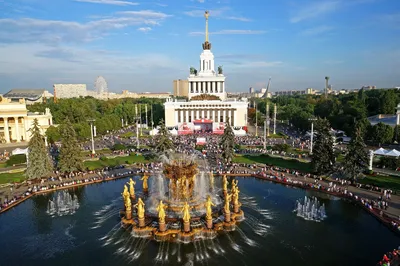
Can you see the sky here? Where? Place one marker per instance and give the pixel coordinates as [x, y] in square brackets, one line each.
[143, 45]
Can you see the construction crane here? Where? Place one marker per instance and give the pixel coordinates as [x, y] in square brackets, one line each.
[266, 92]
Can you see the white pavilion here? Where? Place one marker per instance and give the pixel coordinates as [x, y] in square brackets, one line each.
[209, 115]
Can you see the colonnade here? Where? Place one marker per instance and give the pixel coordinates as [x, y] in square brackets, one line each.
[16, 125]
[216, 115]
[206, 86]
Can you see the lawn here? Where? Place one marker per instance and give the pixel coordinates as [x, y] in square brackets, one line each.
[12, 177]
[390, 182]
[280, 162]
[127, 135]
[92, 165]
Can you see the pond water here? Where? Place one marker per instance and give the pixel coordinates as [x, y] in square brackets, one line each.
[271, 234]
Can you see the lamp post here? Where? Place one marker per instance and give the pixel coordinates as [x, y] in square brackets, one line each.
[256, 119]
[265, 135]
[91, 133]
[137, 118]
[312, 134]
[267, 118]
[152, 121]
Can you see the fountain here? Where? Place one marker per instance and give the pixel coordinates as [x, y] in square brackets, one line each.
[62, 204]
[183, 203]
[311, 209]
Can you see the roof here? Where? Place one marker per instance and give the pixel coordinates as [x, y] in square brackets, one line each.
[385, 119]
[28, 94]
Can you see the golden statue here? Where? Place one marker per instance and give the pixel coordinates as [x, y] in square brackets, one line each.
[128, 204]
[161, 212]
[140, 208]
[225, 183]
[145, 185]
[234, 186]
[208, 206]
[186, 213]
[125, 193]
[131, 187]
[227, 201]
[236, 196]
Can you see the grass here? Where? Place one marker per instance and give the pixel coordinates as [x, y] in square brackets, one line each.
[98, 164]
[280, 162]
[12, 177]
[277, 136]
[103, 151]
[389, 182]
[127, 135]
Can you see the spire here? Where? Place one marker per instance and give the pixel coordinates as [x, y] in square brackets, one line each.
[206, 44]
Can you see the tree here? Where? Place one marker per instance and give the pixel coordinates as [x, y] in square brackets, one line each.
[70, 153]
[380, 133]
[323, 157]
[39, 162]
[388, 102]
[53, 134]
[228, 143]
[164, 142]
[356, 159]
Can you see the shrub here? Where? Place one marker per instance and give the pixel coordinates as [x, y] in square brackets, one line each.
[16, 159]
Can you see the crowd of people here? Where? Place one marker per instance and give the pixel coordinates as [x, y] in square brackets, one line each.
[391, 258]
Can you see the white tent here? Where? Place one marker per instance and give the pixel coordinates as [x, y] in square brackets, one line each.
[380, 151]
[153, 132]
[174, 132]
[393, 153]
[19, 151]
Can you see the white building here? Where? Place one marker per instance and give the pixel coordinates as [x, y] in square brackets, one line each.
[62, 91]
[15, 121]
[208, 115]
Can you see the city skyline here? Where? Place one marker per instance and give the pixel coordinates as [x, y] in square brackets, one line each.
[144, 46]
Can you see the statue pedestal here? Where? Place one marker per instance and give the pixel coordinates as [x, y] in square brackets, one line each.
[186, 227]
[146, 191]
[141, 222]
[209, 224]
[128, 214]
[162, 227]
[227, 217]
[133, 197]
[236, 208]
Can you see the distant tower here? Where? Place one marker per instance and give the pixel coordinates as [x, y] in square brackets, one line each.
[100, 85]
[251, 90]
[326, 86]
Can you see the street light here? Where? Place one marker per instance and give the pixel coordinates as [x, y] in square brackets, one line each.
[91, 132]
[265, 135]
[137, 118]
[256, 119]
[312, 133]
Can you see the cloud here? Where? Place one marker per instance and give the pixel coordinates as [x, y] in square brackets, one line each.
[316, 30]
[315, 9]
[144, 29]
[57, 31]
[201, 1]
[229, 32]
[238, 18]
[109, 2]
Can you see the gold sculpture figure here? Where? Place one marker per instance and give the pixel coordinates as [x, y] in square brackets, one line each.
[128, 204]
[234, 186]
[125, 193]
[186, 213]
[140, 208]
[161, 212]
[208, 206]
[225, 183]
[132, 187]
[145, 185]
[236, 196]
[227, 201]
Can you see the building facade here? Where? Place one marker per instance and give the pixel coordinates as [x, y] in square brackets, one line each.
[180, 88]
[208, 115]
[65, 91]
[30, 96]
[16, 121]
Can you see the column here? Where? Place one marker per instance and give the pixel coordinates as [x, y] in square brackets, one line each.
[202, 114]
[181, 120]
[176, 117]
[223, 86]
[218, 86]
[208, 86]
[6, 131]
[194, 86]
[23, 128]
[234, 118]
[230, 116]
[192, 115]
[224, 116]
[190, 87]
[219, 116]
[17, 129]
[187, 116]
[197, 114]
[27, 133]
[213, 87]
[213, 115]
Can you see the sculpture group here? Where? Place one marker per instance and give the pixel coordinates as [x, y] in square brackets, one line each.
[183, 208]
